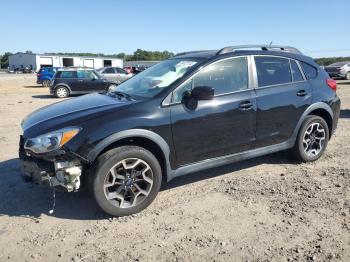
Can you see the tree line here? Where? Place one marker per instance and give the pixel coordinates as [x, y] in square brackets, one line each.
[144, 55]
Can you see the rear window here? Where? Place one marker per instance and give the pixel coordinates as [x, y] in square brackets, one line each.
[297, 75]
[272, 70]
[309, 71]
[65, 74]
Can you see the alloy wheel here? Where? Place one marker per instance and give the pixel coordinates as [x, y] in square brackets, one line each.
[128, 183]
[314, 139]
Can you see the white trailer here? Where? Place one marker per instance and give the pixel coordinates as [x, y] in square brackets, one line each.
[37, 61]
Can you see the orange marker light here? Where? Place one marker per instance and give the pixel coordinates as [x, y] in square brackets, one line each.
[68, 136]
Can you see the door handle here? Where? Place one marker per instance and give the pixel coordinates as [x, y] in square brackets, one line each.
[80, 80]
[301, 93]
[246, 105]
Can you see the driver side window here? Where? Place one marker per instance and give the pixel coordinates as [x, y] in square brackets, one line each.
[225, 76]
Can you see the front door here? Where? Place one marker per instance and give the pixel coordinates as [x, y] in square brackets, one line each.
[282, 96]
[88, 81]
[218, 127]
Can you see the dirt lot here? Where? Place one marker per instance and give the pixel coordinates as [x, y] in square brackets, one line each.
[266, 209]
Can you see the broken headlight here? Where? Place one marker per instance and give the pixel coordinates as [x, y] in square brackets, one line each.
[51, 141]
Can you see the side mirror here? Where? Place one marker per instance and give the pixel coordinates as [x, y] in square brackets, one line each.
[203, 93]
[190, 99]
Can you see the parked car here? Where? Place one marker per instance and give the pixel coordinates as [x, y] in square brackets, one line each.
[189, 113]
[45, 75]
[128, 69]
[27, 70]
[115, 74]
[138, 69]
[78, 81]
[339, 70]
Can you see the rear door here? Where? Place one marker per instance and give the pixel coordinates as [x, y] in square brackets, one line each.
[283, 94]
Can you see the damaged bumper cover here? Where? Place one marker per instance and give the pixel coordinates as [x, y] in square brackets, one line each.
[59, 169]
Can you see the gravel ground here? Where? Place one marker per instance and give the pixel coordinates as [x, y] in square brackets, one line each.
[266, 209]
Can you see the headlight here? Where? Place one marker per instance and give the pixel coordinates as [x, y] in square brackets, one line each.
[51, 141]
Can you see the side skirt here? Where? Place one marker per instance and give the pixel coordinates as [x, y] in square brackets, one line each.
[224, 160]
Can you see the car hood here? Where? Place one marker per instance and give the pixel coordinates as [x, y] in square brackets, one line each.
[68, 112]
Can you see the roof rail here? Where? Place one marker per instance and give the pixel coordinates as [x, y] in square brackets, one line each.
[191, 52]
[230, 49]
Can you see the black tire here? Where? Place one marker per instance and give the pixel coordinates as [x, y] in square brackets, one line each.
[102, 171]
[46, 83]
[299, 147]
[61, 92]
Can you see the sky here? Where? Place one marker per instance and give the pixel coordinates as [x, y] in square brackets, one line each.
[318, 28]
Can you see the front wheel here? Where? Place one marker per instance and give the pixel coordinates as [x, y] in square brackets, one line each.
[312, 139]
[126, 180]
[347, 76]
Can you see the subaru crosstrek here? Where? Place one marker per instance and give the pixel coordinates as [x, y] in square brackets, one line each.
[194, 111]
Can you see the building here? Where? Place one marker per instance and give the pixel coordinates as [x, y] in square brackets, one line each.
[37, 61]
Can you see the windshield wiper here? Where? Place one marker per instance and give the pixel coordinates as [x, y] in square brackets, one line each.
[121, 94]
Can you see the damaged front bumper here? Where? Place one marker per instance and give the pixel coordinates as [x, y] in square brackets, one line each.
[63, 170]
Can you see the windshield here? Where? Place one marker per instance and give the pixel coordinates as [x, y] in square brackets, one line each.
[156, 78]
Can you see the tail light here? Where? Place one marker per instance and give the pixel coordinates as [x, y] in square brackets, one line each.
[332, 84]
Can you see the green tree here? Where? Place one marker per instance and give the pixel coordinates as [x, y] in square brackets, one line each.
[4, 61]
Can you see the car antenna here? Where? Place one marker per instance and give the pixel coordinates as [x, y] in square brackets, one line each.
[271, 43]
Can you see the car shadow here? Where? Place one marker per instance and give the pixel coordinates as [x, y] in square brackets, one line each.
[22, 199]
[52, 97]
[343, 83]
[276, 158]
[43, 96]
[36, 86]
[344, 113]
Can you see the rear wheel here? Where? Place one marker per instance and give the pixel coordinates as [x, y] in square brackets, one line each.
[126, 180]
[46, 83]
[62, 92]
[312, 139]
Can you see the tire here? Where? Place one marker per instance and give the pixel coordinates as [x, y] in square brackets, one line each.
[128, 195]
[61, 92]
[46, 83]
[312, 139]
[110, 87]
[347, 77]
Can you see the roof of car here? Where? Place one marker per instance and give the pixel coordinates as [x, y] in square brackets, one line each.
[289, 52]
[73, 68]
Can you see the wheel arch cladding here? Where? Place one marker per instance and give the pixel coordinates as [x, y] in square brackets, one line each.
[137, 137]
[320, 109]
[326, 116]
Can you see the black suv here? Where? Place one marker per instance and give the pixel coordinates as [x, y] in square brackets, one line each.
[192, 112]
[78, 81]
